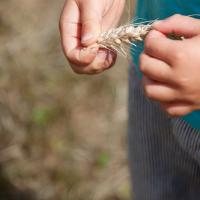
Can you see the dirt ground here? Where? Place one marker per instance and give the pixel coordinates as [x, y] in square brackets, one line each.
[62, 135]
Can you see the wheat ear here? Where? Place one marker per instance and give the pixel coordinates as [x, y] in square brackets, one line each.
[118, 38]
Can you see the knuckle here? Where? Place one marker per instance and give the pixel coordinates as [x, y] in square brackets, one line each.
[183, 82]
[178, 56]
[163, 74]
[176, 16]
[190, 96]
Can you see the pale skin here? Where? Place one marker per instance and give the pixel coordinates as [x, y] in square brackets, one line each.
[81, 23]
[171, 68]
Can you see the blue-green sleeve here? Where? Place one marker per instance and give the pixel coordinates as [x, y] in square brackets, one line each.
[147, 10]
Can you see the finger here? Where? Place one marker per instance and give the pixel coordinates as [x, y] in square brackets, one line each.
[70, 29]
[112, 14]
[91, 17]
[155, 69]
[103, 61]
[179, 25]
[177, 108]
[157, 45]
[159, 92]
[82, 56]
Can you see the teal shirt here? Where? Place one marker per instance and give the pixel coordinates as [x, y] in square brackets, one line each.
[159, 9]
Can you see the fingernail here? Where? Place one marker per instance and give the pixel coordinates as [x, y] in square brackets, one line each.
[87, 37]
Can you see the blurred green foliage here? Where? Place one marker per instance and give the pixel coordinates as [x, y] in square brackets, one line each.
[42, 116]
[103, 159]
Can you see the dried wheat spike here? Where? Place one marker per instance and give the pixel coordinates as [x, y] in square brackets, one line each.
[118, 38]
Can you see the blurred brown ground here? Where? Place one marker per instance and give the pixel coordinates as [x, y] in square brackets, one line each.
[62, 135]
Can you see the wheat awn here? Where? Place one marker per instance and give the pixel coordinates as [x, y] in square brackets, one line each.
[118, 38]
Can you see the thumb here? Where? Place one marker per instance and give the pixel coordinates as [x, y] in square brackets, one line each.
[91, 16]
[179, 25]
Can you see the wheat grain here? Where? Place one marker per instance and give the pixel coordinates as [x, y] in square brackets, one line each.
[118, 38]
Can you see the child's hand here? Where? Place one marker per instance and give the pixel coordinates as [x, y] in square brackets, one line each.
[172, 67]
[81, 23]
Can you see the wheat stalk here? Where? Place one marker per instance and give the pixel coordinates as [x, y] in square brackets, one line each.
[118, 38]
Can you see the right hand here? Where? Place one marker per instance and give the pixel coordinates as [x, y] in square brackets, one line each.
[81, 23]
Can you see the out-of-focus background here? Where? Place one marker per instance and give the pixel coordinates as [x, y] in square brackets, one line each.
[62, 135]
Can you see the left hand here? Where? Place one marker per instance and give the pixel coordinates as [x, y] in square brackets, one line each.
[171, 68]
